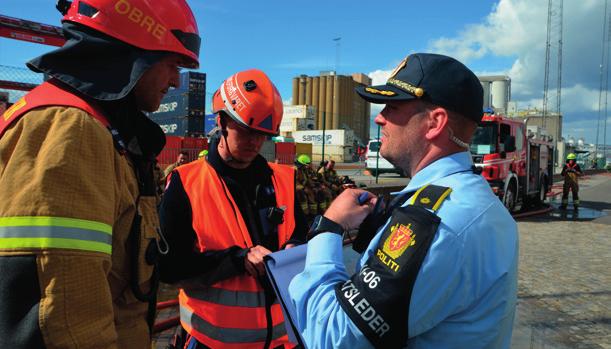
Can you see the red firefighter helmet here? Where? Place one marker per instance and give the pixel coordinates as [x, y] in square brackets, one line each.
[152, 25]
[250, 99]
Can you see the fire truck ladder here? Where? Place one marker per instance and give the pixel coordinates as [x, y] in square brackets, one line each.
[38, 33]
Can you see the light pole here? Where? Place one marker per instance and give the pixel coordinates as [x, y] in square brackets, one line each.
[337, 43]
[324, 119]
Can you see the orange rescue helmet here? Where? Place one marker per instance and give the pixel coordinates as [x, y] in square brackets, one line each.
[167, 25]
[250, 99]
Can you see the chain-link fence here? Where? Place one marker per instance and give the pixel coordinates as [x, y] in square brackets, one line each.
[17, 81]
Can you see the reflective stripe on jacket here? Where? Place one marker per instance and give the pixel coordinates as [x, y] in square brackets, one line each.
[70, 205]
[230, 313]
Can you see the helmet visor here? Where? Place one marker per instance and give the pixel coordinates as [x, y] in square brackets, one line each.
[189, 41]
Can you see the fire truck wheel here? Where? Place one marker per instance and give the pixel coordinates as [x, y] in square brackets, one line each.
[509, 199]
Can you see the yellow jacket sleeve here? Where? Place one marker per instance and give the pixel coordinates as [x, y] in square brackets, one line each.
[57, 167]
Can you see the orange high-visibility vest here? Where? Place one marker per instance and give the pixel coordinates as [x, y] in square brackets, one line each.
[230, 313]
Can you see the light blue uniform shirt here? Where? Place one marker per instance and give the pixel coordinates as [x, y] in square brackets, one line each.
[465, 292]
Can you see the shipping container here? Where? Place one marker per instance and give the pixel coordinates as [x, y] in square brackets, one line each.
[188, 99]
[172, 106]
[201, 143]
[294, 124]
[285, 153]
[173, 142]
[268, 150]
[337, 153]
[209, 123]
[303, 148]
[181, 126]
[332, 137]
[299, 112]
[174, 145]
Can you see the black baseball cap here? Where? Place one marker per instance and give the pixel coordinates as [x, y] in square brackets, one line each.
[438, 79]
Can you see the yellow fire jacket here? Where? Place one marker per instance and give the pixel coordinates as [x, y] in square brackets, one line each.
[68, 202]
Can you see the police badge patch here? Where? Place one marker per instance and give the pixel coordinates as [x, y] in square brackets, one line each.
[400, 239]
[377, 298]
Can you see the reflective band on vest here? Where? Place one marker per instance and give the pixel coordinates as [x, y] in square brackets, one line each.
[229, 335]
[231, 311]
[55, 232]
[228, 297]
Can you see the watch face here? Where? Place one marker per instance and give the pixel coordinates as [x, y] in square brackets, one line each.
[317, 221]
[323, 225]
[314, 228]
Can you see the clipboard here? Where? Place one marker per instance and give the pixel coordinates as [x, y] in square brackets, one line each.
[281, 267]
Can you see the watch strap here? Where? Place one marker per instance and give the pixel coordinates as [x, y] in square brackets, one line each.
[323, 224]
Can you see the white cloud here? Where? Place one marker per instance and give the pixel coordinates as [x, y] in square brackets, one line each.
[516, 31]
[379, 77]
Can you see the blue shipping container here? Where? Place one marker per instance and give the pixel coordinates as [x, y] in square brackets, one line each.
[209, 122]
[181, 126]
[188, 99]
[192, 82]
[172, 106]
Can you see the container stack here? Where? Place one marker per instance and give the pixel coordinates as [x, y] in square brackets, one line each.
[339, 144]
[297, 118]
[181, 112]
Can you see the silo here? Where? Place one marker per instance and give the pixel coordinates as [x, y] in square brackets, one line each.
[336, 103]
[322, 100]
[500, 94]
[308, 92]
[302, 89]
[329, 102]
[341, 115]
[361, 114]
[356, 112]
[367, 117]
[295, 99]
[348, 107]
[315, 101]
[486, 87]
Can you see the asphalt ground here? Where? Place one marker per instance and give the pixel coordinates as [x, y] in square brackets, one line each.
[564, 281]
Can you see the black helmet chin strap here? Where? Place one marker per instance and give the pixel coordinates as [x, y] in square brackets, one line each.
[224, 133]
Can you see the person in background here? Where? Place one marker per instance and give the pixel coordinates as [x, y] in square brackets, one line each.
[571, 172]
[222, 214]
[305, 193]
[440, 263]
[78, 222]
[181, 159]
[202, 154]
[330, 178]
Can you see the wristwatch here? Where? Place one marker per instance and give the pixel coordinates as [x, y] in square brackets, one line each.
[322, 224]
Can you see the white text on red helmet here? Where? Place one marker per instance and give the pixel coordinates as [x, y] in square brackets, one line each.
[134, 14]
[233, 95]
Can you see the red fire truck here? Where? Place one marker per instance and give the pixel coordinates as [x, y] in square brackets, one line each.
[517, 163]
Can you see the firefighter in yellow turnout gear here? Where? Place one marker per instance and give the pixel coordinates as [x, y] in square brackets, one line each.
[330, 178]
[79, 230]
[314, 197]
[304, 191]
[571, 172]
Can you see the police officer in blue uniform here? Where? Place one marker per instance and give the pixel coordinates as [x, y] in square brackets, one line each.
[439, 268]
